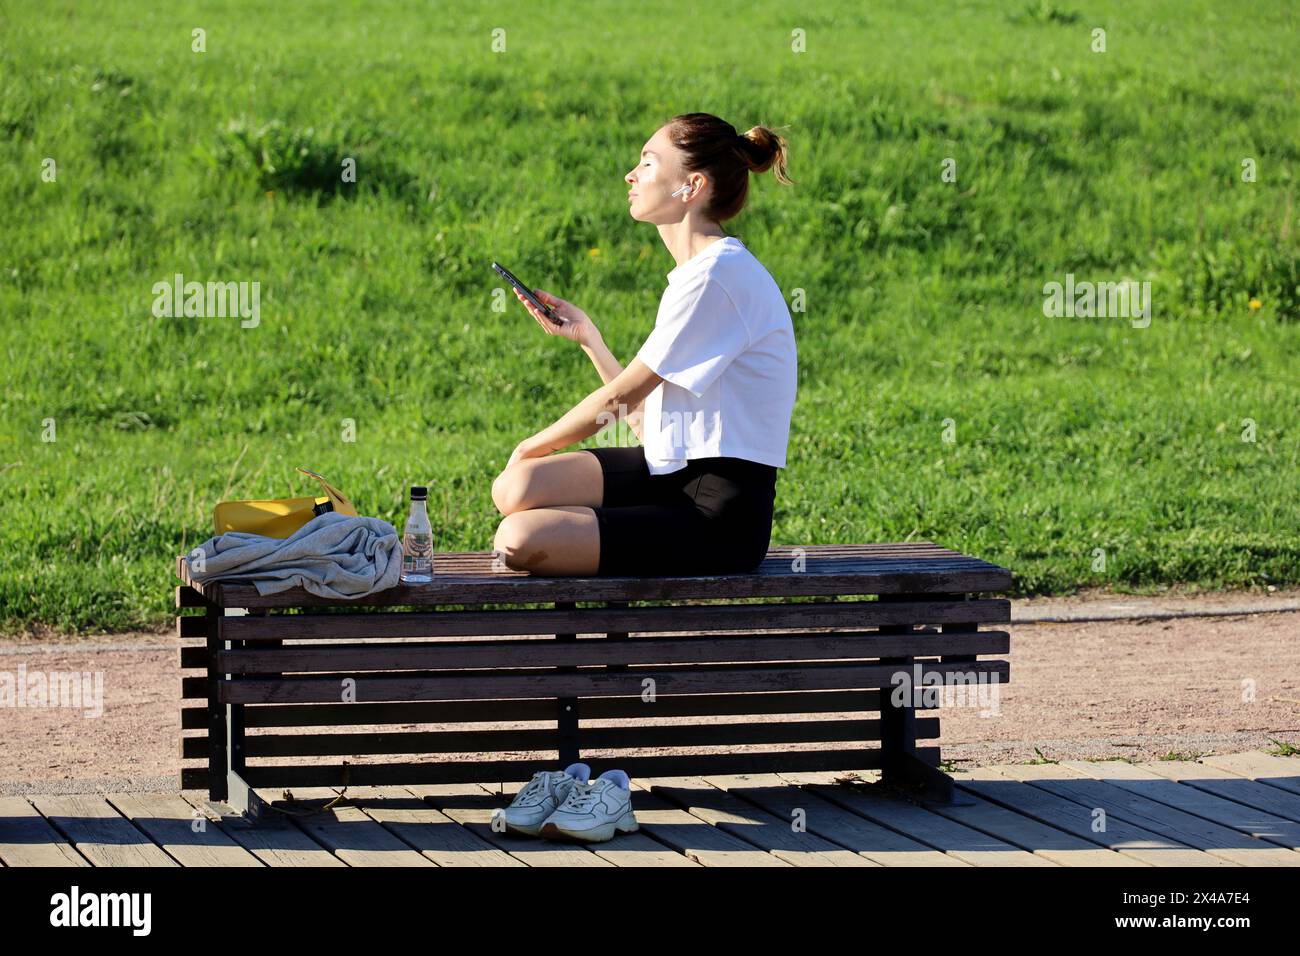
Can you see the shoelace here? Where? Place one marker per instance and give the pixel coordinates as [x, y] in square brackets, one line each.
[535, 786]
[582, 796]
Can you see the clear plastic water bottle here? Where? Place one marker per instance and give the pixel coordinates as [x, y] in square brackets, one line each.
[417, 542]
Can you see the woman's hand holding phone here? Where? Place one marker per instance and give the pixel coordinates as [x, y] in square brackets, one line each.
[576, 325]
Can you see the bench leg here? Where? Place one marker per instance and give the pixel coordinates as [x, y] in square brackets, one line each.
[957, 797]
[217, 729]
[929, 784]
[900, 766]
[566, 708]
[244, 800]
[226, 738]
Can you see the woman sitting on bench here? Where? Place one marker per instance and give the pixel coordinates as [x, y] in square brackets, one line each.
[714, 387]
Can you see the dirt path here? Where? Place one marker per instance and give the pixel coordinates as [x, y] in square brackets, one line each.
[1142, 687]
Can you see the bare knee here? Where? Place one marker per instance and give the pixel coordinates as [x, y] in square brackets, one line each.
[510, 488]
[518, 544]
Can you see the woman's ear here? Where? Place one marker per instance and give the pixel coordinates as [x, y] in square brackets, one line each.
[691, 187]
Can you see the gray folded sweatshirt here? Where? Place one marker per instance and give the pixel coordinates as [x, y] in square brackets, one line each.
[332, 556]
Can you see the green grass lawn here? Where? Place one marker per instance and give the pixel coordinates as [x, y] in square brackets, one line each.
[924, 299]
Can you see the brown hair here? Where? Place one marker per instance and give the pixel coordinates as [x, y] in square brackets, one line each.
[712, 146]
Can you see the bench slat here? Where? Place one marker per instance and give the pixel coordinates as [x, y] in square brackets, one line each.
[474, 771]
[187, 596]
[468, 578]
[193, 625]
[593, 651]
[194, 657]
[702, 679]
[593, 738]
[546, 621]
[543, 709]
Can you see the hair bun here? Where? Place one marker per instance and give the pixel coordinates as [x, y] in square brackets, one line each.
[764, 149]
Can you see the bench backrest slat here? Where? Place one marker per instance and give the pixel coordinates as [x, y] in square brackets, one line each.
[349, 658]
[480, 771]
[259, 716]
[539, 621]
[749, 733]
[701, 679]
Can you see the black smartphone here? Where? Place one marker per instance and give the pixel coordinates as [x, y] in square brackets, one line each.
[527, 293]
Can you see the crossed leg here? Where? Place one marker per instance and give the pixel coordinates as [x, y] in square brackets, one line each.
[549, 527]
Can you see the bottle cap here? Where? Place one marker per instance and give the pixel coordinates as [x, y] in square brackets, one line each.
[419, 492]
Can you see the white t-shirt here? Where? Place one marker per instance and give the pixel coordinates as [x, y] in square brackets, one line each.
[723, 342]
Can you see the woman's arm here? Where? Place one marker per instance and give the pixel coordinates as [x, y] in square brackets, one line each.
[609, 370]
[625, 391]
[579, 327]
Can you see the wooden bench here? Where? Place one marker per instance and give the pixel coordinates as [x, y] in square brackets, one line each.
[273, 683]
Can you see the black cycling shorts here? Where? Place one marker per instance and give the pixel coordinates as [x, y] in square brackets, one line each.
[713, 516]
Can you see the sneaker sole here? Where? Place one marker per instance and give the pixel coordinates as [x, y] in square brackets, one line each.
[606, 831]
[522, 831]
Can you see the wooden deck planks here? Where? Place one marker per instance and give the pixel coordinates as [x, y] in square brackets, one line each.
[1226, 811]
[748, 822]
[876, 843]
[1033, 836]
[1118, 803]
[276, 842]
[1230, 786]
[346, 831]
[100, 834]
[1148, 847]
[1159, 813]
[184, 833]
[922, 825]
[27, 839]
[430, 831]
[691, 836]
[1280, 772]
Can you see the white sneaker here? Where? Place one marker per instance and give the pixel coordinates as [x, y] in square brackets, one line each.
[596, 811]
[541, 796]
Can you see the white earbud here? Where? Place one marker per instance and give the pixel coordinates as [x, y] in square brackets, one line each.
[685, 188]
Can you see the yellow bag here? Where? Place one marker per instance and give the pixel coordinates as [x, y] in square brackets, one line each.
[281, 517]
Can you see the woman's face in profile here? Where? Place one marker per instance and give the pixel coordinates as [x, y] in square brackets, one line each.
[653, 179]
